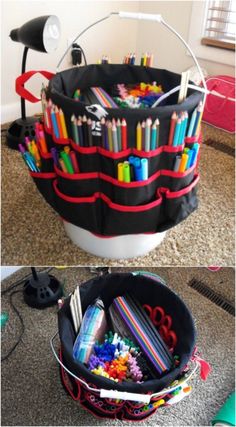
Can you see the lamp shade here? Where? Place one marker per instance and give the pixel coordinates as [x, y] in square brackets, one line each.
[41, 34]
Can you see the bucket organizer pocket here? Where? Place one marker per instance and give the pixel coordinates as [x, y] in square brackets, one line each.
[130, 194]
[99, 214]
[44, 183]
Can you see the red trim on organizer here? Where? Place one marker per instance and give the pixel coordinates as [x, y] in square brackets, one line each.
[76, 176]
[61, 141]
[186, 190]
[159, 150]
[76, 398]
[107, 200]
[128, 152]
[114, 181]
[43, 175]
[83, 150]
[191, 139]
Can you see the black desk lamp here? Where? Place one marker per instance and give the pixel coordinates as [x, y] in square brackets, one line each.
[41, 34]
[42, 290]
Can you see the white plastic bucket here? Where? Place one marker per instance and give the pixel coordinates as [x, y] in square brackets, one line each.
[118, 247]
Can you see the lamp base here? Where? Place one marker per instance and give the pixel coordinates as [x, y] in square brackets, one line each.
[43, 292]
[19, 129]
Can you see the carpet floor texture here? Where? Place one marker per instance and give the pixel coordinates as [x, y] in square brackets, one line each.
[32, 393]
[33, 234]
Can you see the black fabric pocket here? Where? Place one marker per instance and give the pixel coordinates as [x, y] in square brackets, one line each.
[178, 205]
[44, 183]
[130, 194]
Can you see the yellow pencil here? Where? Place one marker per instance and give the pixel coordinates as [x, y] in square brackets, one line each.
[139, 136]
[63, 123]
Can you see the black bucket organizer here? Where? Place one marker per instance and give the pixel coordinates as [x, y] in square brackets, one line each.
[94, 199]
[128, 400]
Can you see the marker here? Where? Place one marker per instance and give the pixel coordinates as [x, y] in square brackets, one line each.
[62, 164]
[67, 162]
[144, 167]
[126, 171]
[195, 149]
[177, 163]
[55, 157]
[183, 163]
[120, 171]
[74, 162]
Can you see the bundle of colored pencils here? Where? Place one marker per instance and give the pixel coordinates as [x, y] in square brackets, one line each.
[147, 135]
[114, 133]
[129, 59]
[54, 119]
[179, 126]
[147, 60]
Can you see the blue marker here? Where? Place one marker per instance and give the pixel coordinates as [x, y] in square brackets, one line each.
[177, 133]
[195, 150]
[144, 167]
[190, 155]
[191, 126]
[137, 169]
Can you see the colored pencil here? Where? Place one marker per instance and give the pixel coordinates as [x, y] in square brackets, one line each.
[139, 137]
[124, 134]
[173, 122]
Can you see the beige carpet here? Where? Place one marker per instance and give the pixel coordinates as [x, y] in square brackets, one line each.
[32, 393]
[32, 233]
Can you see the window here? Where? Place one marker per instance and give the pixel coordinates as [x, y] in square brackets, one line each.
[197, 31]
[220, 24]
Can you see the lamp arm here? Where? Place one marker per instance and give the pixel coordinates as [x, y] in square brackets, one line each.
[22, 100]
[80, 34]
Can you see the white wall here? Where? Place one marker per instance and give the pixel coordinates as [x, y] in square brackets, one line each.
[114, 37]
[167, 48]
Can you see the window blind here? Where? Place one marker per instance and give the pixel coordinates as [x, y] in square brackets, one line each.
[220, 24]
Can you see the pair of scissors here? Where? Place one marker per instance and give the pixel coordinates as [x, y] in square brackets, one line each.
[163, 322]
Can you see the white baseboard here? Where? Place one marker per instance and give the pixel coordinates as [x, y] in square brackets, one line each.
[11, 112]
